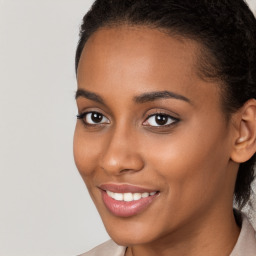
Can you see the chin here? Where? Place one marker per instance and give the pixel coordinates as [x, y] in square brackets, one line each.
[129, 231]
[127, 240]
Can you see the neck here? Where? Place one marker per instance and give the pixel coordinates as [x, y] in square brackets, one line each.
[215, 235]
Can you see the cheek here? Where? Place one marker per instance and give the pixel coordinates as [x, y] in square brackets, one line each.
[85, 152]
[190, 163]
[181, 168]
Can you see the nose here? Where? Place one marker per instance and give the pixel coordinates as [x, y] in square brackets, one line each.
[120, 154]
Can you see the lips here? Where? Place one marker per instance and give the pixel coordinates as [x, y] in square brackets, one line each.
[127, 200]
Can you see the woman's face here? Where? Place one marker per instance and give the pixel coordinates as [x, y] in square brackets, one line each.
[151, 143]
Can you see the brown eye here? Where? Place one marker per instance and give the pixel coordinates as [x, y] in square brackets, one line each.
[160, 120]
[93, 118]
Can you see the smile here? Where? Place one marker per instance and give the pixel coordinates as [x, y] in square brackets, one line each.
[127, 200]
[128, 197]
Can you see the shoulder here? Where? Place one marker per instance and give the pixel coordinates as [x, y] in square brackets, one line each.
[106, 249]
[246, 243]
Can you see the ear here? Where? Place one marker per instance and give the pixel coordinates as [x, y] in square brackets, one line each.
[244, 145]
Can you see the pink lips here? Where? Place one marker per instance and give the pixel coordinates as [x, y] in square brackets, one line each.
[123, 208]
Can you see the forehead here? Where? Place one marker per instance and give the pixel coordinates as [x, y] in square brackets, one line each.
[138, 45]
[140, 59]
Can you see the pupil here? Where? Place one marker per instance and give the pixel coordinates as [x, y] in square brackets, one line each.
[96, 117]
[161, 119]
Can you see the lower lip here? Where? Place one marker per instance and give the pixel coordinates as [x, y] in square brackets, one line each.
[126, 209]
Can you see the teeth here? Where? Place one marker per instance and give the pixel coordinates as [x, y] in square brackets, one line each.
[128, 197]
[118, 196]
[144, 194]
[136, 196]
[111, 194]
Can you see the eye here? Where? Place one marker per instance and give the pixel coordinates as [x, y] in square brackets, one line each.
[93, 118]
[160, 120]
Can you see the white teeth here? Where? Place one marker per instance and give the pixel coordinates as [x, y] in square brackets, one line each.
[118, 196]
[136, 196]
[128, 197]
[145, 194]
[110, 193]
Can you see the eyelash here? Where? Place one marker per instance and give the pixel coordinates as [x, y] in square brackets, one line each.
[173, 119]
[168, 117]
[83, 115]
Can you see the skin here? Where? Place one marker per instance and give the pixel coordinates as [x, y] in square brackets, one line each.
[189, 162]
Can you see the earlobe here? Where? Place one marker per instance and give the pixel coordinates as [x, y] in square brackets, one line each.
[244, 146]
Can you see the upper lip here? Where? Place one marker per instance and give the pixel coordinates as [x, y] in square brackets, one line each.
[125, 188]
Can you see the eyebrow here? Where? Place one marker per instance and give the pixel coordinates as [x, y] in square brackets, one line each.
[143, 98]
[152, 96]
[89, 95]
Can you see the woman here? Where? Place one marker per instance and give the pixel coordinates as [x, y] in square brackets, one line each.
[166, 131]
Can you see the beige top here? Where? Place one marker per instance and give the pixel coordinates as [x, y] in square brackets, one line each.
[245, 246]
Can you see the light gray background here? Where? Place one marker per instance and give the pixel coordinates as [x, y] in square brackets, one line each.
[44, 206]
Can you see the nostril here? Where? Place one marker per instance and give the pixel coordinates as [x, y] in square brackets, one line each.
[126, 170]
